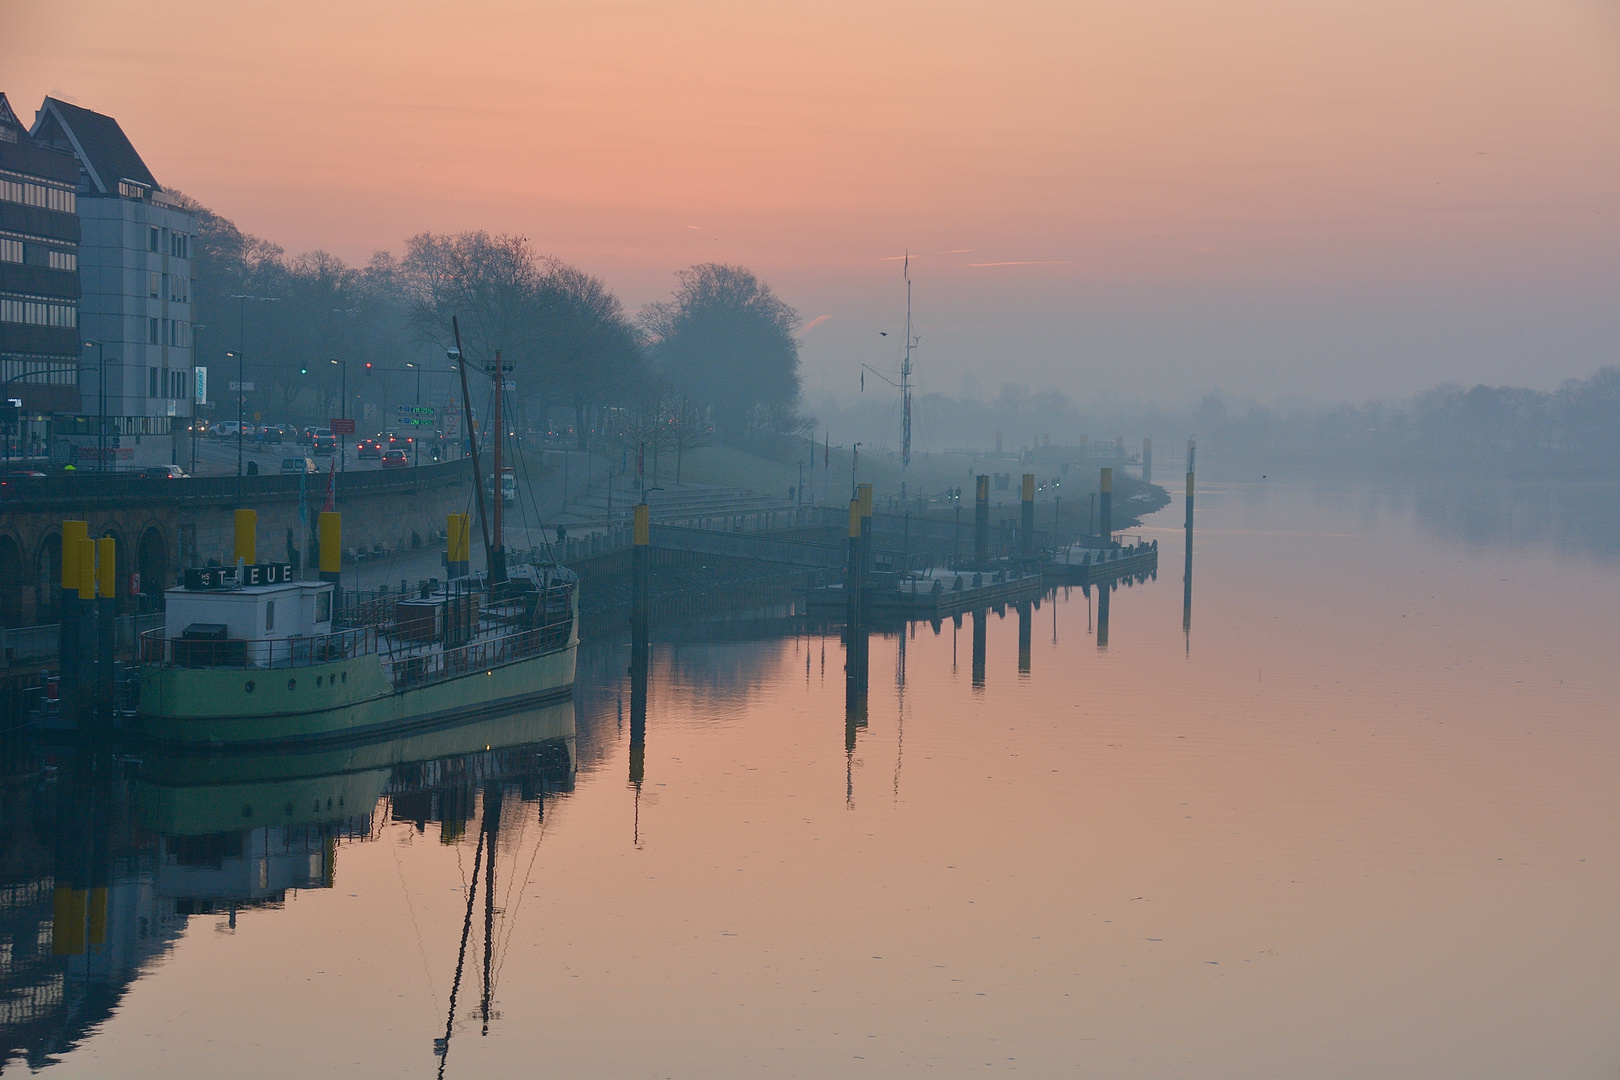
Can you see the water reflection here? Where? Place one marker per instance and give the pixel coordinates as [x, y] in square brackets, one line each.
[106, 856]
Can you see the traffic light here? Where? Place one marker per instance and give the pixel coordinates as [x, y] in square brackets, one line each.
[368, 367]
[303, 371]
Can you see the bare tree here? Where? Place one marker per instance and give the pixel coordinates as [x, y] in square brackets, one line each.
[687, 425]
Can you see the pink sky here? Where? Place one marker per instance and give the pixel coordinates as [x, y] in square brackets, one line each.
[1144, 200]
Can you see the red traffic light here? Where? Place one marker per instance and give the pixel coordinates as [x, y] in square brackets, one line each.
[368, 367]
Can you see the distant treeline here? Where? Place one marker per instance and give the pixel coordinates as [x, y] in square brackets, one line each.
[718, 360]
[1573, 428]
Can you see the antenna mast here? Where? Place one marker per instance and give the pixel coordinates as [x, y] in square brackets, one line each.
[905, 390]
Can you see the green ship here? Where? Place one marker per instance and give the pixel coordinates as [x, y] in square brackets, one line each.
[249, 658]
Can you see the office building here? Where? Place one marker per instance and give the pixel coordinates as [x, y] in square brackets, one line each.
[134, 260]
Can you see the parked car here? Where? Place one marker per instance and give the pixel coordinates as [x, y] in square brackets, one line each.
[395, 459]
[225, 429]
[368, 448]
[296, 465]
[163, 472]
[323, 442]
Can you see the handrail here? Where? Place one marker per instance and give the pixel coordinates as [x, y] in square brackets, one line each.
[296, 651]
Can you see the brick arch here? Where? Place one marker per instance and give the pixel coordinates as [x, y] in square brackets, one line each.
[47, 576]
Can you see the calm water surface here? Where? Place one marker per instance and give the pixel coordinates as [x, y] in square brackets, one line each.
[1359, 821]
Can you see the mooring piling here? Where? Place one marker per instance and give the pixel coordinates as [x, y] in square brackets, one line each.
[981, 521]
[1026, 524]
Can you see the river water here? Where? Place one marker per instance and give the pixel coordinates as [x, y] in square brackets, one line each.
[1356, 819]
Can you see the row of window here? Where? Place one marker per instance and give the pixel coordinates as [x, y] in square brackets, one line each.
[15, 251]
[171, 332]
[163, 383]
[32, 194]
[176, 287]
[38, 312]
[179, 243]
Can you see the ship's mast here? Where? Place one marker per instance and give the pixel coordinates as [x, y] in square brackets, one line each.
[497, 570]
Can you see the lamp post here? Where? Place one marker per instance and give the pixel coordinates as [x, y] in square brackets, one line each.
[343, 413]
[101, 411]
[416, 443]
[241, 400]
[194, 402]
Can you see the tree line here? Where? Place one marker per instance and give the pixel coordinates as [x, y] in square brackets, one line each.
[717, 361]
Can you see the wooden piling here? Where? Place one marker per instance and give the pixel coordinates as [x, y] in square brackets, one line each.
[1105, 500]
[1026, 525]
[981, 521]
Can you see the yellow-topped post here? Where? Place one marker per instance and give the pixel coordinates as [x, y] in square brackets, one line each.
[1105, 506]
[1026, 523]
[329, 534]
[247, 537]
[84, 566]
[72, 533]
[106, 567]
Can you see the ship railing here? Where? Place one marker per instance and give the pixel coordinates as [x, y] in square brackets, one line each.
[300, 651]
[484, 655]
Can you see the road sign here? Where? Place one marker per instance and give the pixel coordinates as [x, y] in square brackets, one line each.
[241, 386]
[416, 415]
[342, 426]
[202, 384]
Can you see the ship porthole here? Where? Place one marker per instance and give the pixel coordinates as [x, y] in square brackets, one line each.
[248, 687]
[318, 681]
[292, 684]
[345, 676]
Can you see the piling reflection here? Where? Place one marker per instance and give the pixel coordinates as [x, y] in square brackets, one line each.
[980, 630]
[1104, 591]
[105, 856]
[1026, 622]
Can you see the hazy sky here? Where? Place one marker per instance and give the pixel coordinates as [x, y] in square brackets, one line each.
[1144, 199]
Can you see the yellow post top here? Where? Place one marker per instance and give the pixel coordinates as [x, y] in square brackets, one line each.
[330, 532]
[1119, 442]
[854, 519]
[1189, 485]
[247, 537]
[72, 533]
[107, 566]
[84, 565]
[643, 525]
[1106, 484]
[1029, 487]
[981, 489]
[864, 494]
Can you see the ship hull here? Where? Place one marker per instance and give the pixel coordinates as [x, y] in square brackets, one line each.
[338, 701]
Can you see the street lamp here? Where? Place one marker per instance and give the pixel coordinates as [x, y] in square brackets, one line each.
[241, 400]
[343, 413]
[194, 402]
[101, 412]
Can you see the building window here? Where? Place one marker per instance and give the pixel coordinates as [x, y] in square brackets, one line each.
[154, 284]
[269, 616]
[177, 288]
[152, 239]
[38, 312]
[11, 250]
[42, 195]
[64, 260]
[178, 245]
[152, 382]
[152, 332]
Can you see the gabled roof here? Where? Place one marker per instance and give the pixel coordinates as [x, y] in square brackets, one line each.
[8, 119]
[103, 149]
